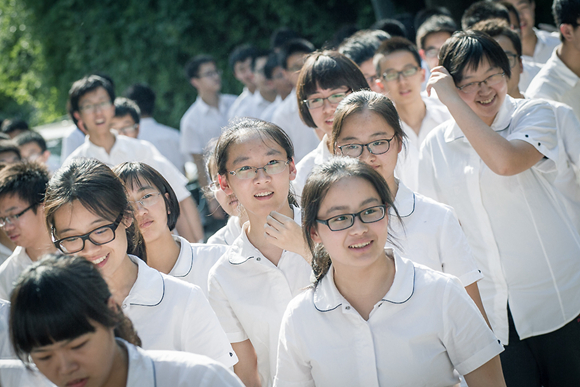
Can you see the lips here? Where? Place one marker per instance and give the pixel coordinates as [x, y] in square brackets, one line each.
[145, 223]
[486, 101]
[13, 237]
[100, 261]
[77, 383]
[264, 195]
[360, 246]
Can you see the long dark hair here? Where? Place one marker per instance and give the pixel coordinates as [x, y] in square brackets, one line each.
[56, 299]
[99, 190]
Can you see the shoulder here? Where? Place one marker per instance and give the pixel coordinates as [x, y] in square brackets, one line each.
[301, 306]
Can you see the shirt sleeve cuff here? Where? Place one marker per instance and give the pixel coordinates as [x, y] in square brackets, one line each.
[480, 358]
[471, 277]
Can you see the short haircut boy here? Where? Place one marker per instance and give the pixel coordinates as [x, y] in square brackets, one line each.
[392, 27]
[498, 27]
[12, 125]
[241, 54]
[362, 45]
[292, 47]
[31, 136]
[26, 180]
[483, 10]
[566, 12]
[271, 64]
[144, 97]
[86, 85]
[393, 45]
[124, 106]
[192, 67]
[433, 25]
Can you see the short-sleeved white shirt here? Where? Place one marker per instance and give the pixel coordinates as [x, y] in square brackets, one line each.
[228, 233]
[201, 123]
[72, 141]
[546, 43]
[407, 169]
[170, 314]
[249, 295]
[303, 169]
[268, 113]
[240, 104]
[11, 269]
[556, 82]
[288, 118]
[194, 262]
[530, 70]
[126, 149]
[429, 234]
[254, 107]
[6, 351]
[425, 327]
[523, 229]
[13, 372]
[165, 138]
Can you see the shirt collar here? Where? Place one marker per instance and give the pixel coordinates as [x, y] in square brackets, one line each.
[149, 289]
[564, 71]
[204, 108]
[404, 201]
[184, 262]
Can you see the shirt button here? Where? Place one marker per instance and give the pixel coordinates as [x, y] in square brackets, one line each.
[347, 307]
[124, 306]
[258, 259]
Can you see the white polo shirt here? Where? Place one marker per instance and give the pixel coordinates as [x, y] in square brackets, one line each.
[407, 169]
[240, 104]
[6, 351]
[530, 70]
[228, 233]
[194, 262]
[523, 229]
[170, 314]
[249, 295]
[546, 43]
[556, 82]
[13, 372]
[127, 149]
[165, 138]
[11, 269]
[429, 234]
[425, 327]
[254, 107]
[288, 118]
[72, 141]
[268, 113]
[303, 169]
[201, 123]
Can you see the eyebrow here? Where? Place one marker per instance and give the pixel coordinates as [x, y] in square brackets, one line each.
[145, 188]
[93, 222]
[271, 152]
[11, 209]
[487, 71]
[353, 138]
[340, 208]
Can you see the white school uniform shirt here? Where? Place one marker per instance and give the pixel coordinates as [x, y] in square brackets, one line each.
[303, 169]
[249, 295]
[430, 234]
[228, 233]
[268, 113]
[6, 351]
[425, 327]
[407, 169]
[201, 123]
[72, 141]
[288, 118]
[127, 149]
[194, 262]
[170, 314]
[530, 70]
[11, 269]
[13, 372]
[5, 252]
[254, 107]
[240, 104]
[523, 229]
[165, 138]
[546, 43]
[556, 82]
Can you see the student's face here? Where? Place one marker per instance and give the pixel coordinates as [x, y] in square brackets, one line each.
[370, 73]
[403, 89]
[208, 79]
[96, 111]
[86, 361]
[262, 84]
[361, 245]
[264, 192]
[29, 228]
[487, 100]
[526, 10]
[125, 125]
[151, 217]
[32, 152]
[74, 219]
[243, 73]
[281, 84]
[364, 128]
[294, 64]
[433, 43]
[229, 203]
[9, 158]
[516, 64]
[323, 116]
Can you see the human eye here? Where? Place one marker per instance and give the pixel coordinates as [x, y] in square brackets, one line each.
[42, 358]
[244, 168]
[101, 230]
[379, 142]
[409, 71]
[391, 75]
[273, 162]
[351, 147]
[87, 107]
[80, 345]
[147, 196]
[371, 211]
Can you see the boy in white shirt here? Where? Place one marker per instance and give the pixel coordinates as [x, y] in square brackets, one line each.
[265, 93]
[241, 60]
[431, 35]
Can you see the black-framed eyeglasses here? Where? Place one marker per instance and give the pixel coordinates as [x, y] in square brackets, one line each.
[11, 219]
[315, 103]
[407, 72]
[272, 168]
[472, 87]
[377, 147]
[344, 221]
[98, 236]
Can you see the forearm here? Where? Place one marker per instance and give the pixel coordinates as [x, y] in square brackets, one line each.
[488, 375]
[247, 367]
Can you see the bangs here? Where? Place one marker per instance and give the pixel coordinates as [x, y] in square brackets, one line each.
[325, 73]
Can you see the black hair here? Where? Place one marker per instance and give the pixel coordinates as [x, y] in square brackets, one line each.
[427, 13]
[391, 26]
[60, 298]
[512, 10]
[14, 124]
[271, 64]
[483, 10]
[99, 190]
[124, 106]
[86, 85]
[292, 47]
[362, 45]
[134, 174]
[434, 24]
[144, 97]
[322, 178]
[466, 50]
[31, 136]
[259, 53]
[281, 36]
[10, 146]
[241, 53]
[498, 27]
[566, 12]
[26, 180]
[393, 45]
[192, 67]
[327, 70]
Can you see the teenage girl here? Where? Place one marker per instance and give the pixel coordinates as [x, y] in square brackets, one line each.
[367, 126]
[156, 209]
[373, 318]
[252, 284]
[325, 79]
[86, 340]
[88, 213]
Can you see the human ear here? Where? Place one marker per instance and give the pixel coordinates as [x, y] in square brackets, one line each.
[422, 54]
[167, 197]
[225, 185]
[292, 168]
[567, 31]
[314, 235]
[422, 74]
[381, 86]
[127, 221]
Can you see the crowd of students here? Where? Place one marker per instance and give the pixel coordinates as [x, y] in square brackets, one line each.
[400, 214]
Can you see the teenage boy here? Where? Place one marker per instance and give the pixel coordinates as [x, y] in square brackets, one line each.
[91, 100]
[22, 189]
[165, 138]
[286, 116]
[32, 147]
[398, 65]
[431, 35]
[559, 79]
[265, 93]
[241, 63]
[205, 118]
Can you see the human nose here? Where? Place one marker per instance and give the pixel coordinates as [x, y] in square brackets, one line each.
[366, 154]
[358, 227]
[66, 363]
[261, 175]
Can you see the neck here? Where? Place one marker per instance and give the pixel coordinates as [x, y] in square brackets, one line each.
[269, 96]
[105, 140]
[393, 185]
[529, 44]
[251, 88]
[516, 93]
[212, 99]
[163, 252]
[122, 280]
[255, 233]
[284, 95]
[42, 246]
[570, 56]
[146, 115]
[120, 367]
[413, 113]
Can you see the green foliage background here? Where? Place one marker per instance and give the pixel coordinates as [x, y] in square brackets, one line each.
[45, 45]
